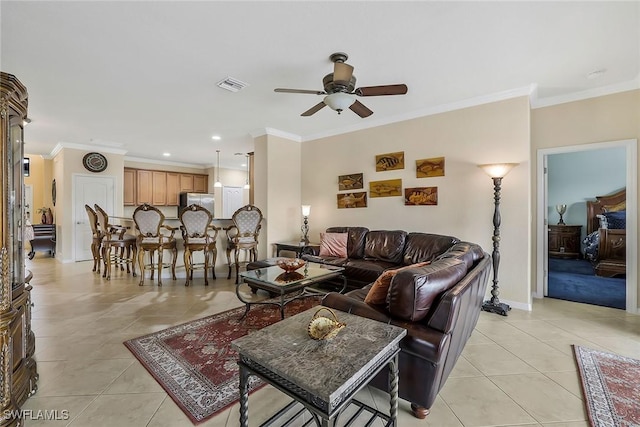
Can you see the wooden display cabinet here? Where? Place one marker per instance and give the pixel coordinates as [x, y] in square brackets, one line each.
[18, 375]
[564, 241]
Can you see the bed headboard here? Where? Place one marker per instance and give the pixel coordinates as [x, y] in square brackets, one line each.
[602, 204]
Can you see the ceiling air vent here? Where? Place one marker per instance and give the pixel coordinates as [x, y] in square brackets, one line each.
[231, 84]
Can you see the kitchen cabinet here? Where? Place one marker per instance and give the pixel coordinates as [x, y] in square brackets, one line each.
[129, 196]
[186, 183]
[144, 187]
[173, 189]
[159, 188]
[200, 183]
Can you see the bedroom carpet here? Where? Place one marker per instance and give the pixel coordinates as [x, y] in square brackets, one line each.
[574, 280]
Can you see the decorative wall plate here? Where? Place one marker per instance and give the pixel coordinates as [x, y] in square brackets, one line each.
[94, 162]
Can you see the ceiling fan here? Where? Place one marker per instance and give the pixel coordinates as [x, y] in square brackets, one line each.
[340, 89]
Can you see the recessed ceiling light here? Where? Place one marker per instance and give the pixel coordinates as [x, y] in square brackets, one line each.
[596, 73]
[166, 154]
[216, 138]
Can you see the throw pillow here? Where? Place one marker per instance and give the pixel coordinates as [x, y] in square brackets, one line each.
[378, 292]
[616, 220]
[333, 244]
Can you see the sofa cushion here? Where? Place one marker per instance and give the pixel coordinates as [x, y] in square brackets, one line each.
[333, 244]
[385, 245]
[355, 241]
[413, 290]
[326, 260]
[425, 247]
[378, 291]
[366, 271]
[470, 253]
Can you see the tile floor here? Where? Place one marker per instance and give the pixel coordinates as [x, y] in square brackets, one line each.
[516, 370]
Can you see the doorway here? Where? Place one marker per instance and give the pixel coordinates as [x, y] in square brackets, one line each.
[89, 190]
[545, 216]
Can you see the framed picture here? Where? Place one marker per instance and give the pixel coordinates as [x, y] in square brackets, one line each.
[352, 200]
[421, 196]
[350, 182]
[388, 188]
[427, 168]
[390, 161]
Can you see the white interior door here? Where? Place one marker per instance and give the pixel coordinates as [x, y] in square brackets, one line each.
[89, 190]
[231, 200]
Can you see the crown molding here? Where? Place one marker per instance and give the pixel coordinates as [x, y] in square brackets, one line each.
[61, 145]
[276, 132]
[444, 108]
[586, 94]
[166, 163]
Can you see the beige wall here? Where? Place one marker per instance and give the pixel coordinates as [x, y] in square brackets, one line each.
[606, 118]
[491, 133]
[67, 164]
[277, 190]
[40, 177]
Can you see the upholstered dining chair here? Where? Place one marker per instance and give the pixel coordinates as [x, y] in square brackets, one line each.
[199, 235]
[114, 236]
[243, 235]
[96, 237]
[154, 235]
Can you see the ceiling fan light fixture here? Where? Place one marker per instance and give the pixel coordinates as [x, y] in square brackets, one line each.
[339, 101]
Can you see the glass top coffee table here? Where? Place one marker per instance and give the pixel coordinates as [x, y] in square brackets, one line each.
[275, 281]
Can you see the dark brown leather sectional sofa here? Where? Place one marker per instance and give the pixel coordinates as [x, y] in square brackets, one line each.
[439, 304]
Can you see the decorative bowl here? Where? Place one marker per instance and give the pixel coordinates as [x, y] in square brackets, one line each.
[324, 328]
[291, 264]
[288, 277]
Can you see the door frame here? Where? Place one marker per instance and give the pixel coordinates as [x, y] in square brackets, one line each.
[74, 218]
[631, 150]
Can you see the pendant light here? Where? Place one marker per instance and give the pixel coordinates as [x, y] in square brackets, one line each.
[246, 184]
[218, 183]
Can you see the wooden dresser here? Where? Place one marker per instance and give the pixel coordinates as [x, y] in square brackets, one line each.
[564, 241]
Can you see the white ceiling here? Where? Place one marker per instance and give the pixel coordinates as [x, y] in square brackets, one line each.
[141, 76]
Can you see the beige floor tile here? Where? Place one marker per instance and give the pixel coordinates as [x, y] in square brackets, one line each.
[474, 402]
[119, 410]
[541, 397]
[569, 381]
[85, 368]
[135, 379]
[83, 377]
[54, 411]
[170, 415]
[491, 359]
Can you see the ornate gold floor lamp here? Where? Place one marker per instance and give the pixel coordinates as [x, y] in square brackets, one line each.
[496, 171]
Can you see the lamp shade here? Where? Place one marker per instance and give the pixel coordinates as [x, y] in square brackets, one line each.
[339, 101]
[497, 170]
[306, 210]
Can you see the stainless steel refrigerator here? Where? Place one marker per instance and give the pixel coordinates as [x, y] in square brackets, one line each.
[202, 199]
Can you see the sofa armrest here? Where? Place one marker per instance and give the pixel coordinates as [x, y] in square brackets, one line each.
[351, 305]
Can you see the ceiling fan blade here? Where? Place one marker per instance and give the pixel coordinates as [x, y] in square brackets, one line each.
[360, 109]
[319, 106]
[342, 73]
[311, 92]
[400, 89]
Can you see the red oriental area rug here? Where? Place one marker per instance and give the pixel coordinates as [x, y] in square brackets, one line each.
[611, 386]
[194, 361]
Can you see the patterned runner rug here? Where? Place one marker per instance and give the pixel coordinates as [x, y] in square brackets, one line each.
[611, 386]
[194, 361]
